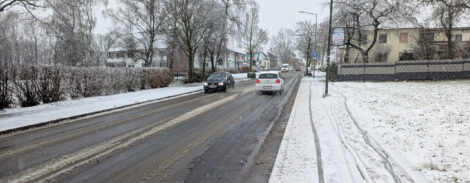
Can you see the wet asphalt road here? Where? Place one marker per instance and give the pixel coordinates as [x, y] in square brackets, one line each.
[194, 138]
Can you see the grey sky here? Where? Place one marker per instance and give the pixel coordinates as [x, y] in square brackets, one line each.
[274, 14]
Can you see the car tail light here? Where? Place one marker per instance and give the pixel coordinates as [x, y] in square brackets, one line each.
[257, 81]
[278, 81]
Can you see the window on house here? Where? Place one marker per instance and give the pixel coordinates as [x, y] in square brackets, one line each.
[458, 37]
[403, 37]
[383, 38]
[363, 39]
[427, 36]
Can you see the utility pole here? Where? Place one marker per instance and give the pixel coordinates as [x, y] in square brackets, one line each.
[329, 50]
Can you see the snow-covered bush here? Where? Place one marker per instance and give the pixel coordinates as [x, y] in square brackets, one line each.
[26, 85]
[158, 77]
[32, 85]
[50, 81]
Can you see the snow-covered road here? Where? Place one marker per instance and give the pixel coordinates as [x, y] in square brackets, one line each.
[333, 147]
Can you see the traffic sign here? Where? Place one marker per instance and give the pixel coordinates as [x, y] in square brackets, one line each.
[314, 54]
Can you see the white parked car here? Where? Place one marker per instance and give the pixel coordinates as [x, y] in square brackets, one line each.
[269, 82]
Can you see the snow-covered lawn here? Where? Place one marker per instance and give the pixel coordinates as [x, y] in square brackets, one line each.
[426, 123]
[20, 117]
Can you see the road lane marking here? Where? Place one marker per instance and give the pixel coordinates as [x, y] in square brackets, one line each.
[23, 149]
[181, 153]
[106, 148]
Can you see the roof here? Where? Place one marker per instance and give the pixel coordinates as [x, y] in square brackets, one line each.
[159, 44]
[424, 28]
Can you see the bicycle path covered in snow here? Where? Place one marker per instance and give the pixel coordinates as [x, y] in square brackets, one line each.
[323, 142]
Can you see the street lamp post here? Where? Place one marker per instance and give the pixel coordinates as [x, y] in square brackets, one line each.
[315, 46]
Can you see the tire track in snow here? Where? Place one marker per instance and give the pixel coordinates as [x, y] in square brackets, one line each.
[321, 177]
[388, 163]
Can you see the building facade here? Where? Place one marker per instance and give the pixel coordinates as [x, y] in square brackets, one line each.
[232, 60]
[401, 44]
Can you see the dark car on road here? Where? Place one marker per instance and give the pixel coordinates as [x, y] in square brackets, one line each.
[219, 81]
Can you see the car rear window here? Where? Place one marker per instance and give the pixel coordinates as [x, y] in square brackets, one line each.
[268, 76]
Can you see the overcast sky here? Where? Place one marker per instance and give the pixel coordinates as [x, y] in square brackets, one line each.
[274, 14]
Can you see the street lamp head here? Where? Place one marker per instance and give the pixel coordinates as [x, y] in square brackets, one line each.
[306, 12]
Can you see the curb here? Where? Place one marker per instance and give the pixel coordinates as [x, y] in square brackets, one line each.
[92, 113]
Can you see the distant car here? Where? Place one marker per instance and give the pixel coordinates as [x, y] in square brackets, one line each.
[269, 82]
[285, 68]
[219, 81]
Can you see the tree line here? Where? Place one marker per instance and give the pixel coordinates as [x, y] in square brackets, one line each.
[50, 32]
[363, 17]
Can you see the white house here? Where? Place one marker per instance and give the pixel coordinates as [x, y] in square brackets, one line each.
[120, 57]
[231, 61]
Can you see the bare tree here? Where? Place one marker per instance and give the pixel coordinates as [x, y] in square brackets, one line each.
[364, 16]
[212, 39]
[232, 13]
[101, 45]
[143, 21]
[254, 36]
[188, 23]
[447, 13]
[306, 40]
[5, 4]
[71, 25]
[283, 44]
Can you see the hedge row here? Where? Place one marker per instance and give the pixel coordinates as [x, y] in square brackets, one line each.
[27, 85]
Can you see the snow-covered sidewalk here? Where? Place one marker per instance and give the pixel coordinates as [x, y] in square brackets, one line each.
[21, 117]
[324, 142]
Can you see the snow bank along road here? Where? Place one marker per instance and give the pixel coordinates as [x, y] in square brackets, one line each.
[194, 138]
[324, 142]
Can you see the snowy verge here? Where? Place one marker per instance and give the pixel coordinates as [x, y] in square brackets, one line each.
[423, 125]
[22, 117]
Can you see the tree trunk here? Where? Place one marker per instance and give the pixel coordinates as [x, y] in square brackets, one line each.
[204, 65]
[251, 61]
[365, 56]
[212, 62]
[191, 67]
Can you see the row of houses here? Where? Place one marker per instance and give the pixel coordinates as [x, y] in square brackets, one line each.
[405, 44]
[234, 59]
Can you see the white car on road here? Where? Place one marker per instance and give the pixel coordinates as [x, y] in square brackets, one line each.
[269, 82]
[285, 68]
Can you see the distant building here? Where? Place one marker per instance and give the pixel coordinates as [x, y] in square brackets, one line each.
[409, 44]
[233, 60]
[120, 57]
